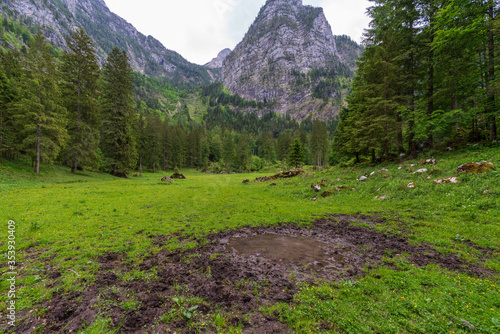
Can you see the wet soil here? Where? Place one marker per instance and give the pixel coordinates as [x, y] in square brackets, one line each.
[234, 273]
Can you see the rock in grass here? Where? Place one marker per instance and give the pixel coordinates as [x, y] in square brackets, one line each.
[427, 162]
[412, 185]
[475, 167]
[468, 324]
[246, 181]
[382, 197]
[421, 171]
[363, 178]
[167, 179]
[327, 193]
[177, 176]
[450, 179]
[273, 184]
[316, 187]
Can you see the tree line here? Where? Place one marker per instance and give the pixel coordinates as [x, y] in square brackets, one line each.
[71, 111]
[428, 79]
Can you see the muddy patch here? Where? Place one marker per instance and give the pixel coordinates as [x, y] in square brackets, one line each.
[234, 274]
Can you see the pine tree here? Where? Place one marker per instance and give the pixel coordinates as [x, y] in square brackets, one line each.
[81, 92]
[118, 144]
[39, 114]
[296, 153]
[228, 150]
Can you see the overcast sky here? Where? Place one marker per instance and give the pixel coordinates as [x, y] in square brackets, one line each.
[199, 29]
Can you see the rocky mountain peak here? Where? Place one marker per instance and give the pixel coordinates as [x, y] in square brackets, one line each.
[273, 61]
[219, 60]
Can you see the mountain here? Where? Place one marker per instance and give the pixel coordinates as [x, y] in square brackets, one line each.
[58, 18]
[290, 58]
[219, 60]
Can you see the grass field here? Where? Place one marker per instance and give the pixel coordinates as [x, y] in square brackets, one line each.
[67, 224]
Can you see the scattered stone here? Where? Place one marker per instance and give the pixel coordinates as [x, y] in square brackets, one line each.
[372, 173]
[338, 180]
[382, 197]
[177, 176]
[340, 188]
[486, 192]
[450, 148]
[316, 187]
[273, 184]
[327, 193]
[475, 167]
[245, 181]
[421, 171]
[281, 175]
[468, 324]
[315, 199]
[412, 185]
[427, 162]
[324, 181]
[400, 167]
[362, 178]
[167, 179]
[450, 179]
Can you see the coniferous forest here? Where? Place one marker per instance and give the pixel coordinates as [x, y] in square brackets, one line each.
[428, 79]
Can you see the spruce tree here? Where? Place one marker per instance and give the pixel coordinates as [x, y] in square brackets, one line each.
[296, 153]
[40, 117]
[81, 93]
[118, 142]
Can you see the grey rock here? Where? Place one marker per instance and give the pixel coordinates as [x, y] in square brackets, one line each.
[274, 60]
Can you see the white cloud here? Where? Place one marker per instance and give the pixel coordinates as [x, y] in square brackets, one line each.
[199, 29]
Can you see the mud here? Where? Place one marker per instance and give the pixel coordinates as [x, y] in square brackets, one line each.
[235, 273]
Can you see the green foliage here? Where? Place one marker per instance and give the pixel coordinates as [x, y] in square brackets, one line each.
[118, 141]
[39, 114]
[297, 155]
[81, 92]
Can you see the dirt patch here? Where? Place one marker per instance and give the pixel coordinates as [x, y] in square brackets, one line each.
[235, 274]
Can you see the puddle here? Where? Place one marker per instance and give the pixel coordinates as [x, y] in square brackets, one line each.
[288, 250]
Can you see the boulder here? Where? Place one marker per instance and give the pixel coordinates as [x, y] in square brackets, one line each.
[167, 179]
[412, 185]
[246, 181]
[177, 176]
[363, 178]
[475, 167]
[281, 175]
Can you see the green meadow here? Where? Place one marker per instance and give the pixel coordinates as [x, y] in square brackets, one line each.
[66, 222]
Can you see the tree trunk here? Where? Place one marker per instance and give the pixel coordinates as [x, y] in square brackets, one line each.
[37, 161]
[491, 73]
[140, 164]
[75, 165]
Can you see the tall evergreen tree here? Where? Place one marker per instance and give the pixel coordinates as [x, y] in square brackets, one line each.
[41, 118]
[81, 92]
[118, 143]
[297, 154]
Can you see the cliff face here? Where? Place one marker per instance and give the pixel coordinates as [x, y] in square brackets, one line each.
[58, 18]
[287, 56]
[219, 60]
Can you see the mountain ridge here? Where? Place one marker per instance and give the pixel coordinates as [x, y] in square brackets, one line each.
[283, 46]
[58, 18]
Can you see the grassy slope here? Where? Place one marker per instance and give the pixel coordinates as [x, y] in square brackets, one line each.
[74, 219]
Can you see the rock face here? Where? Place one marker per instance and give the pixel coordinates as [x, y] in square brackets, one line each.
[217, 62]
[290, 56]
[58, 18]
